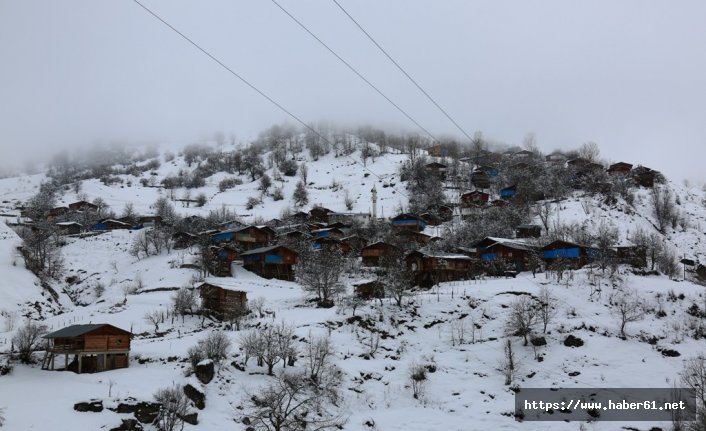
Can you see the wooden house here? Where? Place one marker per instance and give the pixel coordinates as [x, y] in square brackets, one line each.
[219, 237]
[372, 253]
[69, 227]
[251, 237]
[416, 237]
[328, 232]
[149, 220]
[508, 252]
[354, 241]
[225, 256]
[576, 255]
[631, 255]
[429, 268]
[349, 217]
[407, 221]
[319, 213]
[184, 240]
[474, 198]
[555, 159]
[480, 179]
[56, 212]
[223, 298]
[701, 272]
[369, 290]
[275, 261]
[231, 225]
[321, 243]
[508, 192]
[94, 347]
[110, 224]
[645, 177]
[83, 206]
[523, 154]
[620, 169]
[528, 231]
[436, 168]
[499, 203]
[438, 150]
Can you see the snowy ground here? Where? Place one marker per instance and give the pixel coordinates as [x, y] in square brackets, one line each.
[466, 391]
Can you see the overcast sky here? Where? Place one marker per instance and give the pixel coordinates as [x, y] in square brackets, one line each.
[629, 75]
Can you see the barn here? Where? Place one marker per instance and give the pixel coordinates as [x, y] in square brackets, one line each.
[275, 261]
[223, 298]
[94, 347]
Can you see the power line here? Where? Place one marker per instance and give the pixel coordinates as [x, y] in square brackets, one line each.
[354, 70]
[416, 84]
[252, 86]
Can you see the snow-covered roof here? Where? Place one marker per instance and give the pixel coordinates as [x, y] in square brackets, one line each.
[226, 283]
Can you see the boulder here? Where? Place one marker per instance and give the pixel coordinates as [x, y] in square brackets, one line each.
[144, 411]
[128, 425]
[191, 418]
[205, 371]
[90, 406]
[195, 395]
[572, 341]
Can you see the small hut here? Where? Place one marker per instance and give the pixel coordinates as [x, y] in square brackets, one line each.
[94, 347]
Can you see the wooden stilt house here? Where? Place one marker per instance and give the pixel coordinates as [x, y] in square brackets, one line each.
[94, 348]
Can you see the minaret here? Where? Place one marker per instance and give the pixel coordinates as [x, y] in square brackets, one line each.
[375, 203]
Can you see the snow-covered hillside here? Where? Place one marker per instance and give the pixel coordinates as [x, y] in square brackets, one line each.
[375, 344]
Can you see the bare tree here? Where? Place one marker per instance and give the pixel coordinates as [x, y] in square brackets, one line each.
[319, 271]
[589, 151]
[318, 356]
[418, 380]
[154, 317]
[291, 402]
[141, 245]
[627, 307]
[544, 212]
[184, 302]
[663, 207]
[606, 238]
[693, 377]
[215, 346]
[509, 364]
[547, 303]
[523, 317]
[258, 305]
[174, 405]
[27, 340]
[395, 277]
